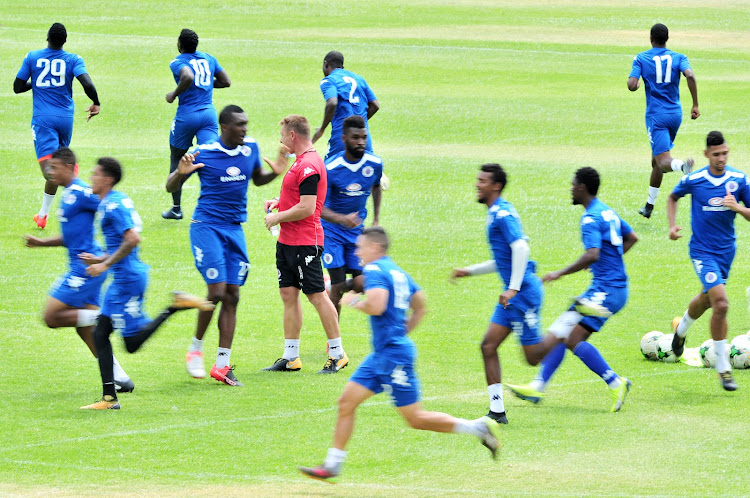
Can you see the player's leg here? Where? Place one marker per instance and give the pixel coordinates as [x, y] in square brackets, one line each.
[46, 141]
[335, 262]
[184, 128]
[175, 212]
[680, 325]
[498, 330]
[338, 287]
[719, 308]
[102, 332]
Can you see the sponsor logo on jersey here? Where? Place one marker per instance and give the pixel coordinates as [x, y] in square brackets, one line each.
[307, 171]
[354, 187]
[715, 208]
[716, 201]
[368, 171]
[234, 174]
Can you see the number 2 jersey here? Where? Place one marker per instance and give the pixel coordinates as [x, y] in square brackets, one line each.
[199, 95]
[117, 215]
[52, 73]
[353, 96]
[603, 229]
[660, 69]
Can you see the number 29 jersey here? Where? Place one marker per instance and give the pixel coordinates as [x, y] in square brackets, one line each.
[52, 73]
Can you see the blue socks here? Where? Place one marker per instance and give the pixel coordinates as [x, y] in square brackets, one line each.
[592, 358]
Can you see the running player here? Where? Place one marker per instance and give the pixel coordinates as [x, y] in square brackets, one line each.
[660, 69]
[389, 294]
[49, 74]
[715, 191]
[196, 75]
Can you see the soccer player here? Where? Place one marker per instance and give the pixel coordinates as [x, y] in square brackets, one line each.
[389, 293]
[49, 74]
[352, 176]
[715, 191]
[216, 236]
[521, 300]
[300, 245]
[123, 303]
[660, 69]
[346, 94]
[74, 298]
[196, 75]
[606, 237]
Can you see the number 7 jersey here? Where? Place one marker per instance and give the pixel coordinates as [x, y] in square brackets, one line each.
[603, 229]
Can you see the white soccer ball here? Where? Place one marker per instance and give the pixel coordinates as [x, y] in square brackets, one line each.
[664, 349]
[739, 352]
[708, 354]
[649, 346]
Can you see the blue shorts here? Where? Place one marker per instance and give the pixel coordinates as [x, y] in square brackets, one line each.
[201, 124]
[712, 269]
[123, 304]
[76, 289]
[662, 130]
[220, 252]
[378, 373]
[612, 298]
[339, 252]
[50, 133]
[522, 313]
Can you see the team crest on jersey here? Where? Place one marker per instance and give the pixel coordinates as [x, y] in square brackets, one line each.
[716, 201]
[368, 171]
[327, 258]
[69, 198]
[245, 150]
[732, 186]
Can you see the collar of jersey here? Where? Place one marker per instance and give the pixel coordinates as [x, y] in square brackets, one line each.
[715, 180]
[352, 167]
[219, 146]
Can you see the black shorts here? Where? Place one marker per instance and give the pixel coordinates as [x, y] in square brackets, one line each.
[299, 266]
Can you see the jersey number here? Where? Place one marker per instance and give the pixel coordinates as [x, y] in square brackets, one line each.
[353, 99]
[55, 68]
[202, 72]
[663, 77]
[400, 290]
[614, 227]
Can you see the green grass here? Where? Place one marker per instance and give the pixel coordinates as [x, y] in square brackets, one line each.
[538, 86]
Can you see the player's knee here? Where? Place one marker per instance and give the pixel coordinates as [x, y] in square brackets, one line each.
[346, 406]
[231, 297]
[720, 306]
[416, 421]
[337, 290]
[217, 296]
[50, 320]
[489, 347]
[102, 331]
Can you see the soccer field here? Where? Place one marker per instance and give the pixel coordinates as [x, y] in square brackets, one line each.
[536, 85]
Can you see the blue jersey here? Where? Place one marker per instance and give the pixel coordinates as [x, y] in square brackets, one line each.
[118, 215]
[199, 95]
[353, 96]
[389, 330]
[224, 181]
[602, 229]
[76, 214]
[349, 187]
[660, 69]
[504, 228]
[52, 73]
[713, 223]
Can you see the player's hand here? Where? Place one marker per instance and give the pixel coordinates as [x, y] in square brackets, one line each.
[170, 97]
[272, 219]
[458, 273]
[270, 205]
[32, 241]
[318, 133]
[92, 111]
[282, 160]
[694, 112]
[187, 163]
[552, 276]
[89, 259]
[507, 296]
[731, 202]
[96, 269]
[350, 297]
[674, 232]
[351, 220]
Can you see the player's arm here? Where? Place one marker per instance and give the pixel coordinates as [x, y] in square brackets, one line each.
[130, 239]
[674, 229]
[519, 260]
[32, 241]
[277, 167]
[185, 168]
[372, 107]
[350, 220]
[730, 201]
[693, 87]
[377, 195]
[633, 84]
[303, 209]
[483, 268]
[221, 80]
[589, 257]
[418, 310]
[186, 79]
[21, 86]
[328, 112]
[628, 241]
[373, 302]
[90, 89]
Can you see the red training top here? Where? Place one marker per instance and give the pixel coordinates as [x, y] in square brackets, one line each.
[307, 231]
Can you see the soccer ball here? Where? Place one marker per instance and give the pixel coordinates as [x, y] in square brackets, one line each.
[739, 352]
[664, 349]
[708, 354]
[648, 345]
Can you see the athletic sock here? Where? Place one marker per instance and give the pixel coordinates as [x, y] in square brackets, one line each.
[472, 427]
[120, 374]
[134, 342]
[291, 349]
[653, 193]
[46, 204]
[677, 165]
[550, 364]
[334, 459]
[592, 358]
[223, 356]
[722, 358]
[87, 318]
[496, 398]
[684, 325]
[335, 350]
[196, 345]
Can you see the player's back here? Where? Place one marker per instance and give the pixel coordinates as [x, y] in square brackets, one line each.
[52, 73]
[224, 181]
[77, 211]
[353, 95]
[504, 228]
[199, 95]
[601, 227]
[350, 185]
[118, 215]
[661, 69]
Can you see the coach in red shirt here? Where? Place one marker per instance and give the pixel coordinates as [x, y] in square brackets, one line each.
[300, 245]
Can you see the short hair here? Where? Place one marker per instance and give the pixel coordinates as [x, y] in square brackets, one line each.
[57, 35]
[111, 167]
[354, 121]
[378, 236]
[225, 116]
[334, 59]
[188, 40]
[498, 173]
[296, 123]
[714, 138]
[65, 155]
[659, 33]
[590, 178]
